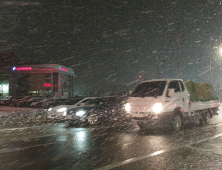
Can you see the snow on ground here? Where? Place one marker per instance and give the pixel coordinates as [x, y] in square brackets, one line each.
[8, 110]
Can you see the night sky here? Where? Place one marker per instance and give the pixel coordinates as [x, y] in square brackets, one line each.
[113, 42]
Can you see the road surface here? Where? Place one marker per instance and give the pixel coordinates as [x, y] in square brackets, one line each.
[51, 145]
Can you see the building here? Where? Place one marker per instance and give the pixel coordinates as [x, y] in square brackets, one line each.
[7, 60]
[46, 80]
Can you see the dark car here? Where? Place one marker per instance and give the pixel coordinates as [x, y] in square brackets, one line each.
[26, 103]
[72, 101]
[15, 102]
[38, 104]
[98, 110]
[10, 100]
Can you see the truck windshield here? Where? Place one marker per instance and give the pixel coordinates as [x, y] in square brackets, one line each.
[149, 89]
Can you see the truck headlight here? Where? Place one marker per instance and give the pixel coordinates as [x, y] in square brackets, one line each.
[80, 113]
[157, 108]
[127, 107]
[62, 109]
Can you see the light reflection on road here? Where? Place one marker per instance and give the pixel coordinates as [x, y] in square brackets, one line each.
[81, 139]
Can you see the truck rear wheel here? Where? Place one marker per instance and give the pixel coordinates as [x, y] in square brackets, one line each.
[177, 122]
[207, 118]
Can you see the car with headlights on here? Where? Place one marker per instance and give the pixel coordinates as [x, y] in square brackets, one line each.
[59, 112]
[101, 109]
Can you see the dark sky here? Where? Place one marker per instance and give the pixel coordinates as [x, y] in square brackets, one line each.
[116, 41]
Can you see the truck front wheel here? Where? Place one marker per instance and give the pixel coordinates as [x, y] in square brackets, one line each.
[177, 122]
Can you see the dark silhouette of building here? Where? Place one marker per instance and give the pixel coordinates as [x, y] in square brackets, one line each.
[8, 60]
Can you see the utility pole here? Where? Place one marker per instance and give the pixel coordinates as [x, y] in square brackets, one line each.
[178, 53]
[210, 72]
[160, 63]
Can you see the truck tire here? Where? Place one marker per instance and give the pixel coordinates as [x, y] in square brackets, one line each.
[207, 118]
[177, 122]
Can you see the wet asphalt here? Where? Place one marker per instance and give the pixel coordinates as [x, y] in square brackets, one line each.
[31, 141]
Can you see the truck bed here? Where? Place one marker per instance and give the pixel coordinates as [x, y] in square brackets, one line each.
[204, 105]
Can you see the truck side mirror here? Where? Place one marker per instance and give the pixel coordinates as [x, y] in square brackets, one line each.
[171, 92]
[130, 93]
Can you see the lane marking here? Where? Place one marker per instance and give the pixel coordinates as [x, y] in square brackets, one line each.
[204, 150]
[199, 149]
[114, 165]
[131, 160]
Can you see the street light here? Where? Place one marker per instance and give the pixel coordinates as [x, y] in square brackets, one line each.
[210, 72]
[219, 53]
[220, 50]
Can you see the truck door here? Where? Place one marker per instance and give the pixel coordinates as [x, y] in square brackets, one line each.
[180, 97]
[186, 98]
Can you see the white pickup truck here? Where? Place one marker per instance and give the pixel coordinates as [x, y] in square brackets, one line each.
[164, 103]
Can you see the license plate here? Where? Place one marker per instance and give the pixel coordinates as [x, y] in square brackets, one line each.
[139, 115]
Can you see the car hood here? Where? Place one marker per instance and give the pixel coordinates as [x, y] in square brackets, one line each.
[62, 106]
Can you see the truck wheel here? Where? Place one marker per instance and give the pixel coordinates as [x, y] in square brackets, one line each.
[177, 122]
[207, 118]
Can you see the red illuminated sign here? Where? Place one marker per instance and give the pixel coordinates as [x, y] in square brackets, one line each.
[47, 85]
[24, 68]
[63, 69]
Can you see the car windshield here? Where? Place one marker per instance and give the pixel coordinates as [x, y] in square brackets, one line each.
[83, 102]
[149, 89]
[95, 102]
[110, 84]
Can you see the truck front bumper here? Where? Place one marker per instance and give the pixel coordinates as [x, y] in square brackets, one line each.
[151, 121]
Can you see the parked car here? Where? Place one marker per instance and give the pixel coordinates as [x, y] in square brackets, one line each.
[38, 104]
[15, 102]
[59, 112]
[26, 103]
[10, 100]
[98, 110]
[2, 102]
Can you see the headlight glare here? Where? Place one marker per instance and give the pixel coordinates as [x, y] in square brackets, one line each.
[64, 113]
[80, 113]
[127, 107]
[62, 109]
[157, 108]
